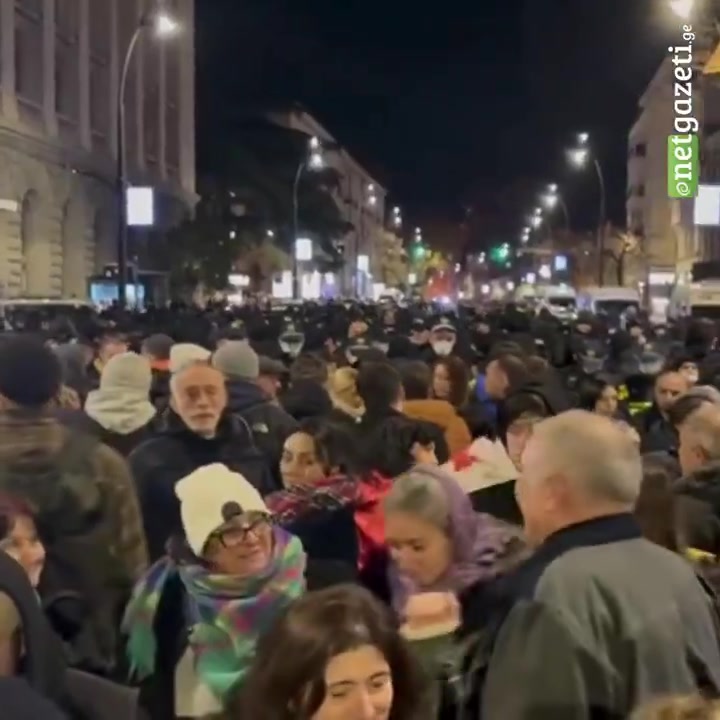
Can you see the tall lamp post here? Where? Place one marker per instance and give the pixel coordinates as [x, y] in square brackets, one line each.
[579, 157]
[552, 199]
[312, 160]
[164, 26]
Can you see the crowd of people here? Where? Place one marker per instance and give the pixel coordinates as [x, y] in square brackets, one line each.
[359, 513]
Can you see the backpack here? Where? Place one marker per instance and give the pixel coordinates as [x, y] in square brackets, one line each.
[70, 513]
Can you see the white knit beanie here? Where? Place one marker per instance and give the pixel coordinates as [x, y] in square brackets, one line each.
[183, 355]
[209, 497]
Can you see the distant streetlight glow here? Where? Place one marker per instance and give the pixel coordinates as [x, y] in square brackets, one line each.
[316, 161]
[372, 200]
[270, 233]
[683, 8]
[314, 143]
[538, 212]
[583, 138]
[536, 222]
[578, 156]
[552, 188]
[550, 200]
[396, 210]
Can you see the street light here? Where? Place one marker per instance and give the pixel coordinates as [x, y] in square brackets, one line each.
[535, 222]
[315, 161]
[164, 26]
[579, 157]
[684, 9]
[550, 201]
[397, 217]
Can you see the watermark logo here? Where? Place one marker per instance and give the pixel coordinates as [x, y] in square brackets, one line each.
[683, 147]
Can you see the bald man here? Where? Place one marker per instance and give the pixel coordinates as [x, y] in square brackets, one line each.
[600, 619]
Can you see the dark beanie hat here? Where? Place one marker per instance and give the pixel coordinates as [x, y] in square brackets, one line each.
[30, 374]
[159, 346]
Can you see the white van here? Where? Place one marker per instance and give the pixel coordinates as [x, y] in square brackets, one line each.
[560, 300]
[612, 301]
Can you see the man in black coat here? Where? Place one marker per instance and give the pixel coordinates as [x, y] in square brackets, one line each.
[195, 431]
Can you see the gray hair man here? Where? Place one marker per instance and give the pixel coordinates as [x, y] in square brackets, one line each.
[700, 438]
[623, 619]
[698, 503]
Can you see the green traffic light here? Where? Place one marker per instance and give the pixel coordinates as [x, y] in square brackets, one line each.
[500, 253]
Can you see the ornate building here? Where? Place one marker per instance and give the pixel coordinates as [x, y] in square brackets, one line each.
[60, 63]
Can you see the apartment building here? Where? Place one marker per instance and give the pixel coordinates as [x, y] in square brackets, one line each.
[60, 65]
[361, 200]
[651, 214]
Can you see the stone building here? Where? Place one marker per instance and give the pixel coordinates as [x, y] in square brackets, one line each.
[60, 63]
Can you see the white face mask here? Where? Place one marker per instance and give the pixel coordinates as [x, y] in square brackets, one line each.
[291, 349]
[443, 348]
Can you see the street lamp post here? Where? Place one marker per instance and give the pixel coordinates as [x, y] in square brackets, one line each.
[312, 161]
[579, 156]
[553, 199]
[164, 26]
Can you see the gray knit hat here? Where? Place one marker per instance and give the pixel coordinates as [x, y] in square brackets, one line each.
[236, 360]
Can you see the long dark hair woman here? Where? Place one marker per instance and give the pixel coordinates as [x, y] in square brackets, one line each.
[334, 655]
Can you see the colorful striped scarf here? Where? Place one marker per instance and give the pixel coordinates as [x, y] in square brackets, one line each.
[226, 615]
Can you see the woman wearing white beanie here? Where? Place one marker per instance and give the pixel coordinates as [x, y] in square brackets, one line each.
[195, 617]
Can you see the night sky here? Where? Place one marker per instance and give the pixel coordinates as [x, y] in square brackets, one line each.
[447, 105]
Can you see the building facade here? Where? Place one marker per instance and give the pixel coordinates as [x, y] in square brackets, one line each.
[671, 241]
[651, 214]
[60, 64]
[361, 200]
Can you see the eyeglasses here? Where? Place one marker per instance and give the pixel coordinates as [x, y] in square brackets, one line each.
[237, 531]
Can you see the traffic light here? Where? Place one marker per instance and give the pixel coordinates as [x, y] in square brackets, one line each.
[500, 253]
